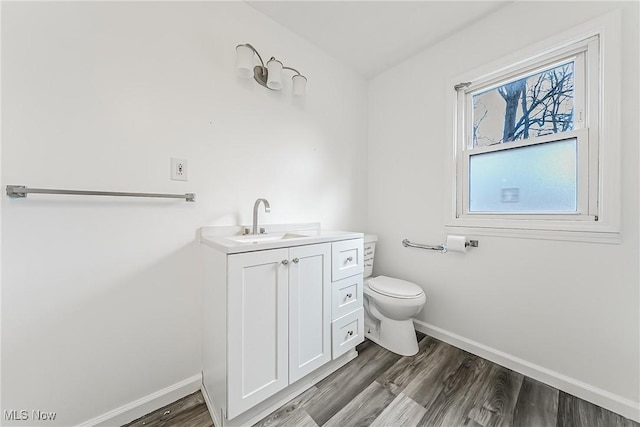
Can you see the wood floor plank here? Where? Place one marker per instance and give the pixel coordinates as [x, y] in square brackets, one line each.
[180, 411]
[572, 413]
[364, 408]
[575, 412]
[537, 405]
[289, 411]
[401, 373]
[608, 418]
[402, 412]
[495, 405]
[196, 417]
[300, 418]
[458, 393]
[429, 379]
[339, 388]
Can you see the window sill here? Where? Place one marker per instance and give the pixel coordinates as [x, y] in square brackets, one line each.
[574, 232]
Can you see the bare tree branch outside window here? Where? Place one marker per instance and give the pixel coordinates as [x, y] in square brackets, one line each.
[535, 105]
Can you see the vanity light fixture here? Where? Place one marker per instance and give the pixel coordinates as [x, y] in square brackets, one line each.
[269, 76]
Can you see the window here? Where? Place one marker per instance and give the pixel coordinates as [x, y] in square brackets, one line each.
[527, 140]
[527, 144]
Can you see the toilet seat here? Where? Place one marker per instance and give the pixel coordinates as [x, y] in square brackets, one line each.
[395, 288]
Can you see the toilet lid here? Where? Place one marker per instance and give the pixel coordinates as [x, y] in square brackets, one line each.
[394, 287]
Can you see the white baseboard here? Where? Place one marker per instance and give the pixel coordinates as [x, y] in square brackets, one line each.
[147, 404]
[620, 405]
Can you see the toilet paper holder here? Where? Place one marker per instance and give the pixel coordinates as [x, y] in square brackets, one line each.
[441, 248]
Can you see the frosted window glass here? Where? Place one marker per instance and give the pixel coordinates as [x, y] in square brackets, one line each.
[538, 178]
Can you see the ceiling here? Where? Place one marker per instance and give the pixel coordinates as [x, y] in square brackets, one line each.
[373, 36]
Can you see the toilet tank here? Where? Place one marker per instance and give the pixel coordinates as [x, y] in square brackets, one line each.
[369, 252]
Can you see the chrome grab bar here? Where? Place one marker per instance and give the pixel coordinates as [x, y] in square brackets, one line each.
[22, 191]
[442, 248]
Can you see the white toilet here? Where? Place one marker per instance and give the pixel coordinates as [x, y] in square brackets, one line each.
[389, 306]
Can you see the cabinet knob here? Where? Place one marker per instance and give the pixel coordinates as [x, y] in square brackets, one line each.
[295, 260]
[350, 333]
[350, 259]
[349, 296]
[285, 261]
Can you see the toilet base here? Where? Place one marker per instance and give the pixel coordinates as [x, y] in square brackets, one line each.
[398, 336]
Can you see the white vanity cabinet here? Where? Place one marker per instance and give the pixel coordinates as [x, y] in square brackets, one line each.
[270, 325]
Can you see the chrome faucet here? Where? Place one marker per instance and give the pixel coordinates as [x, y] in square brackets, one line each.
[267, 208]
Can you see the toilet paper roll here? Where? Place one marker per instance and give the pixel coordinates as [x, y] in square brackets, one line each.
[456, 243]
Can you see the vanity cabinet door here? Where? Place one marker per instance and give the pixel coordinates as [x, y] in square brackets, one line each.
[257, 330]
[309, 309]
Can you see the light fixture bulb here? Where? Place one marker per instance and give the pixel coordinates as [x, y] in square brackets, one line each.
[244, 60]
[274, 74]
[299, 84]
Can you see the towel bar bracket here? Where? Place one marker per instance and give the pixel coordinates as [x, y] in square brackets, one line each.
[16, 191]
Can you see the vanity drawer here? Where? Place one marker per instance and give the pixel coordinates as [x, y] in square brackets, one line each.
[347, 258]
[347, 332]
[346, 296]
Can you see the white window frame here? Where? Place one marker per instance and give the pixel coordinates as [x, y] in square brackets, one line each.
[597, 43]
[585, 57]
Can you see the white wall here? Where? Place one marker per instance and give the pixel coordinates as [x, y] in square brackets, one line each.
[571, 308]
[101, 296]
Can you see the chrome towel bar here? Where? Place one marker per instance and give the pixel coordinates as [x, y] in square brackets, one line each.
[442, 248]
[22, 191]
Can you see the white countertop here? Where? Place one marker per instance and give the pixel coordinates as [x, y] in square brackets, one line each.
[231, 240]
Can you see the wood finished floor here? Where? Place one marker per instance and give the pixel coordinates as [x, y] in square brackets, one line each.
[440, 386]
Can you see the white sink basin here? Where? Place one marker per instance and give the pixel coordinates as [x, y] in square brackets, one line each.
[259, 238]
[229, 239]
